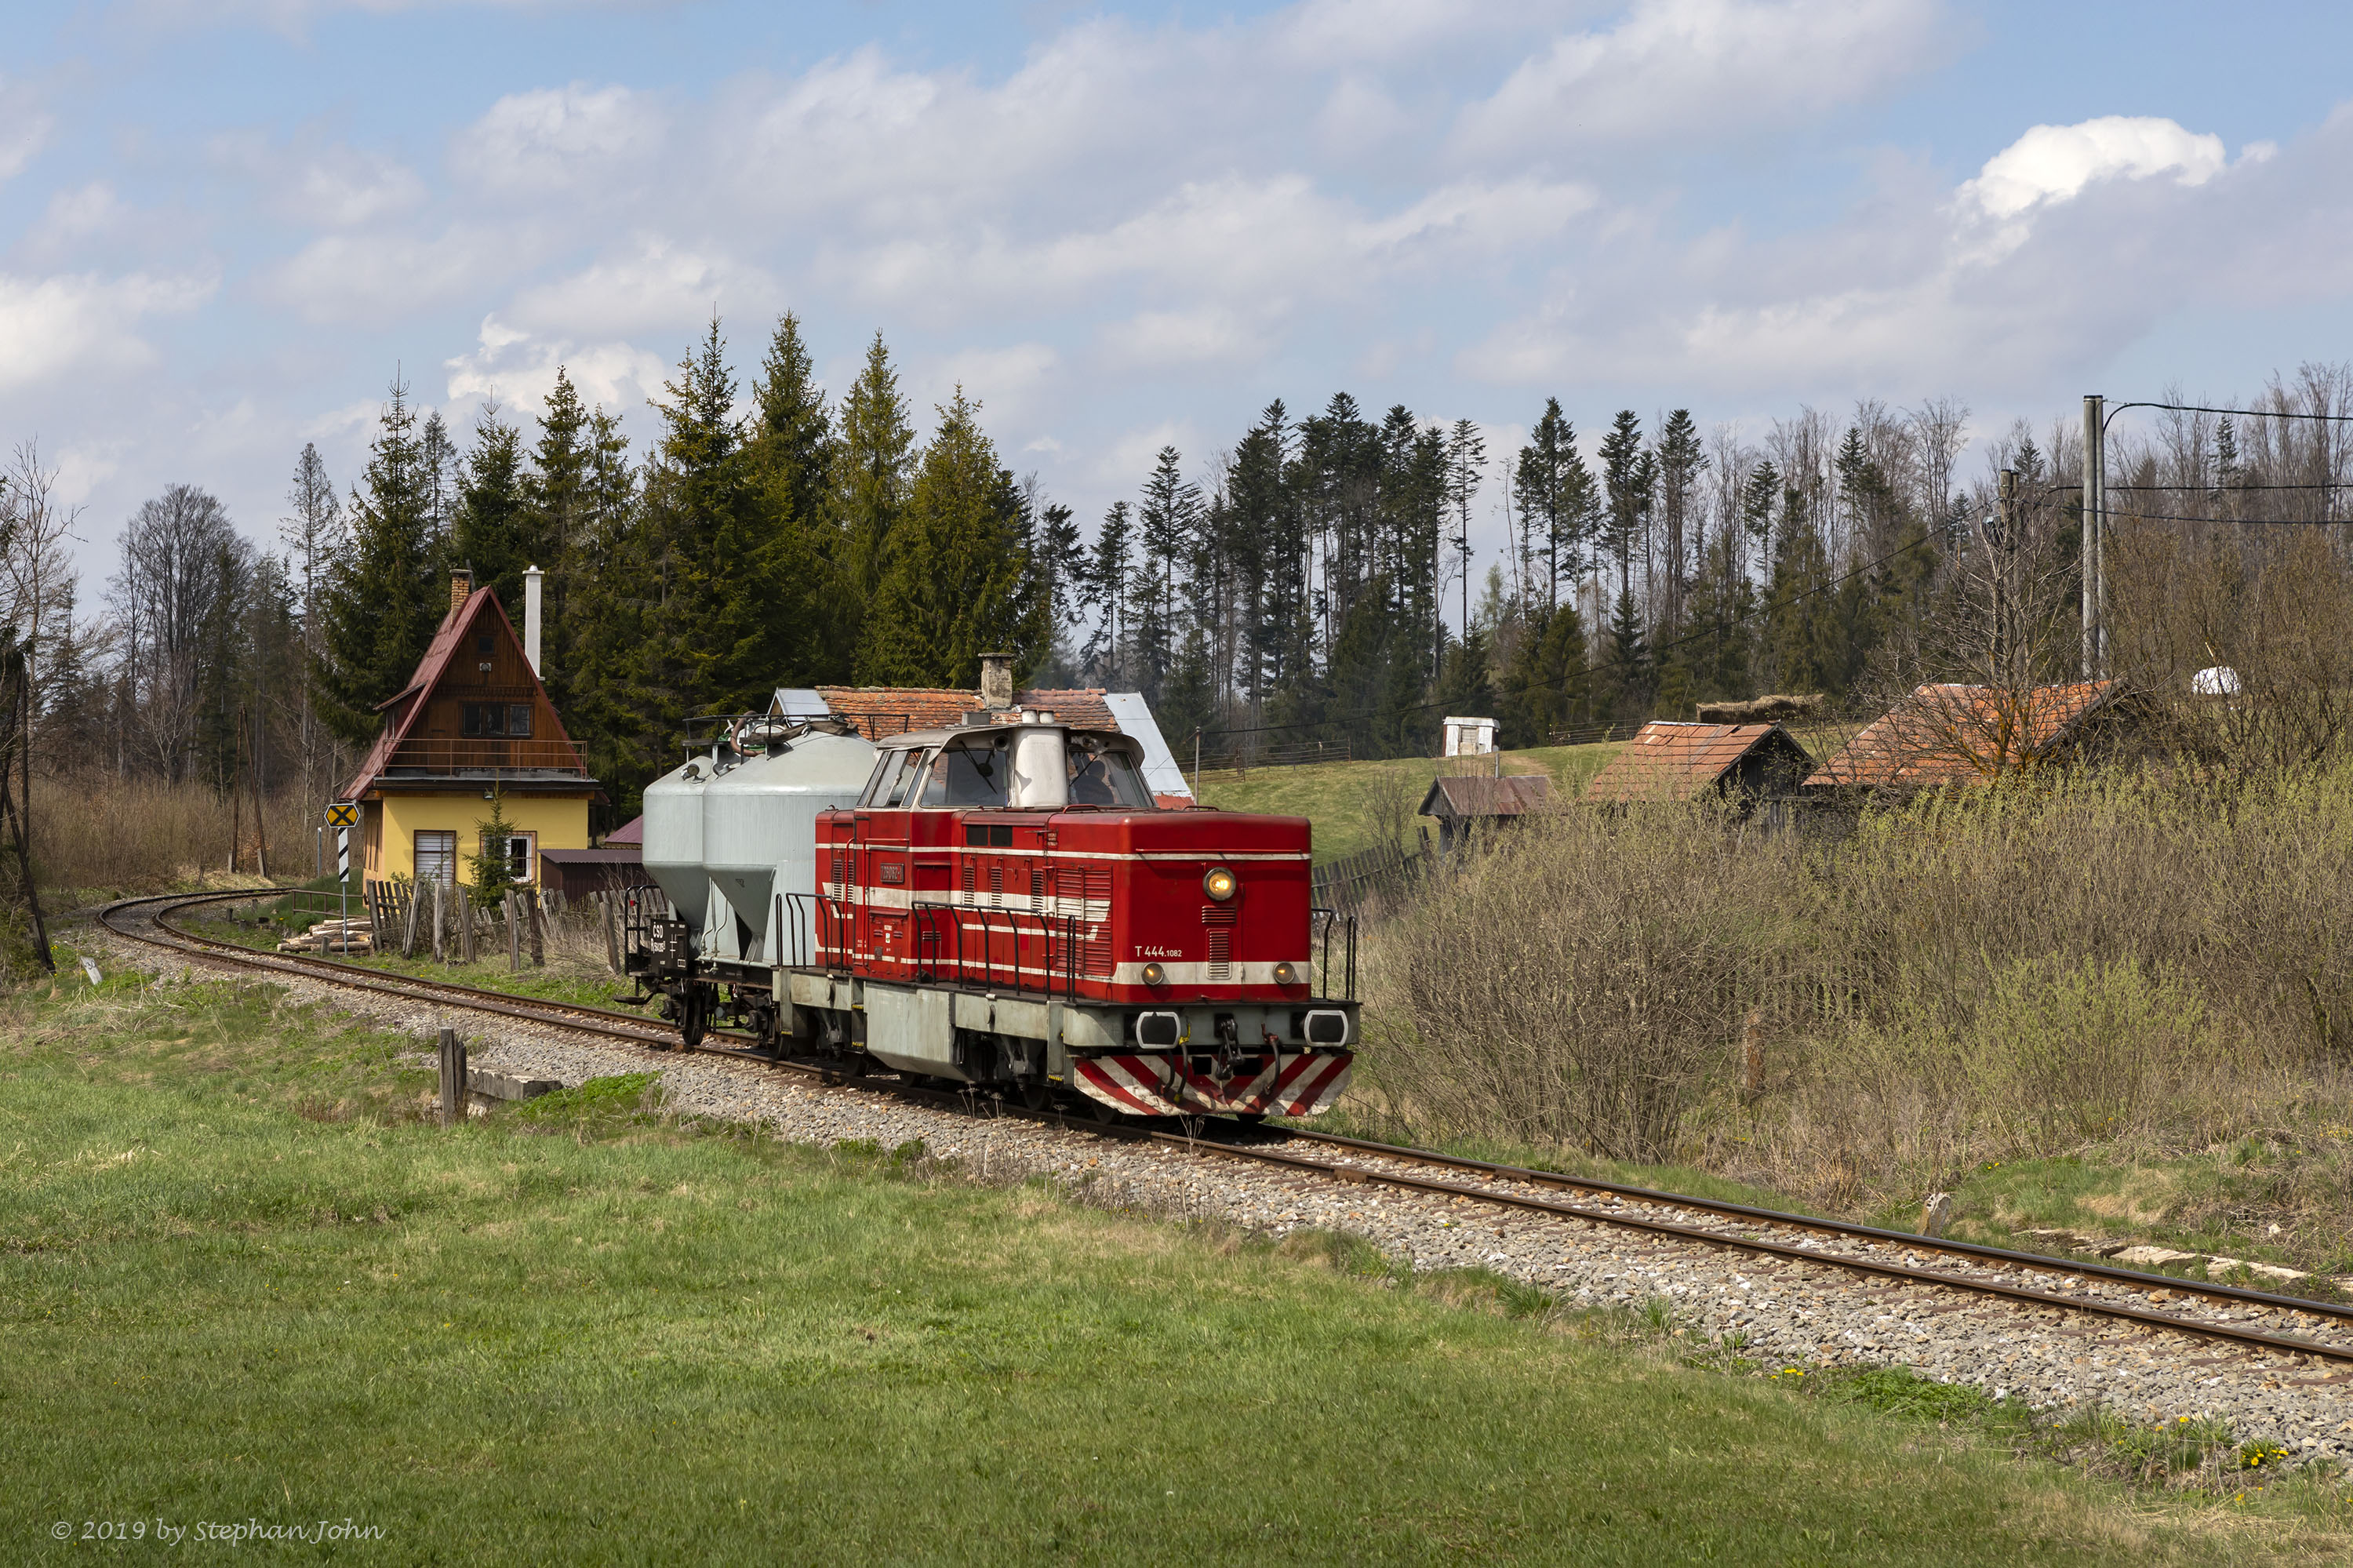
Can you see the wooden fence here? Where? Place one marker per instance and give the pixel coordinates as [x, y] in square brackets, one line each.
[1385, 874]
[442, 920]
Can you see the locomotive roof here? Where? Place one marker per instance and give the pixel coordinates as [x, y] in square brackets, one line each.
[909, 740]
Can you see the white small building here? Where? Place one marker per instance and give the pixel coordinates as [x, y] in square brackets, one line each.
[1470, 737]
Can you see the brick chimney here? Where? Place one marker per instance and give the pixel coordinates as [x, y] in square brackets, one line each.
[461, 586]
[996, 682]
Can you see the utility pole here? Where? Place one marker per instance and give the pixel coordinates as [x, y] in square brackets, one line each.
[2004, 546]
[2095, 563]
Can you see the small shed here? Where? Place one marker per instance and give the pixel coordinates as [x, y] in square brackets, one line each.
[579, 872]
[1671, 761]
[1468, 737]
[1460, 804]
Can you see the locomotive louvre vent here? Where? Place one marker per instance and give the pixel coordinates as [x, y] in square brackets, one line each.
[996, 885]
[1220, 920]
[1037, 887]
[971, 870]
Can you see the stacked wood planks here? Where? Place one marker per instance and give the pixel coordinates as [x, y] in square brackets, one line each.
[331, 936]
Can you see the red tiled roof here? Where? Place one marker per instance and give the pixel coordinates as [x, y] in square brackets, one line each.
[1944, 733]
[1668, 760]
[457, 623]
[631, 833]
[1474, 797]
[878, 711]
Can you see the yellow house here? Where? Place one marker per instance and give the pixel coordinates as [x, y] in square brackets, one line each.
[472, 724]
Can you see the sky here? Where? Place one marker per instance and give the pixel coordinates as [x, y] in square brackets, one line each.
[227, 225]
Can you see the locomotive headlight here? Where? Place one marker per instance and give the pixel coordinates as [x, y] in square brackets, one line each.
[1154, 974]
[1286, 974]
[1220, 883]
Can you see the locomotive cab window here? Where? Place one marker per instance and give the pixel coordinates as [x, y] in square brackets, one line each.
[502, 720]
[1102, 776]
[894, 780]
[973, 775]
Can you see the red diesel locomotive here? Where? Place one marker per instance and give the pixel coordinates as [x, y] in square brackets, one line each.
[1005, 906]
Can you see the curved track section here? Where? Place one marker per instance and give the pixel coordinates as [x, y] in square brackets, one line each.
[2226, 1314]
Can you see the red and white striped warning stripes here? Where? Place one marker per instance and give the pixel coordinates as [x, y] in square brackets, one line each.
[1130, 1084]
[1306, 1084]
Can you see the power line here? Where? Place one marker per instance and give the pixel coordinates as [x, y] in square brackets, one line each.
[2234, 413]
[2115, 513]
[2226, 488]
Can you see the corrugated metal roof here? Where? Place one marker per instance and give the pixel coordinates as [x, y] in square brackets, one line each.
[1948, 733]
[1671, 761]
[1130, 715]
[1514, 796]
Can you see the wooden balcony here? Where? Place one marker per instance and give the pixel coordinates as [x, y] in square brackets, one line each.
[441, 756]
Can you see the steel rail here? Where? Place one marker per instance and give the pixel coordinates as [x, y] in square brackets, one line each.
[2282, 1344]
[411, 987]
[641, 1031]
[1909, 1240]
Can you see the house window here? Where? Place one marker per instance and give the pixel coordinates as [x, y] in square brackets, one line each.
[508, 720]
[436, 857]
[521, 853]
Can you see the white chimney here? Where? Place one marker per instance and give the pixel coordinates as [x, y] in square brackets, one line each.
[531, 580]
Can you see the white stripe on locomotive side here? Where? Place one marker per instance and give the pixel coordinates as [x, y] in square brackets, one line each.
[1202, 857]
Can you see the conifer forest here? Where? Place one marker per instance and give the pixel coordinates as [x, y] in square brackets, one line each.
[1313, 580]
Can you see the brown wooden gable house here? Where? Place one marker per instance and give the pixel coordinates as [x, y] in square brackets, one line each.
[472, 723]
[1668, 760]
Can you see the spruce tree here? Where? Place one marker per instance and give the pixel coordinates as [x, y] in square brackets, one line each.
[872, 468]
[612, 587]
[1625, 479]
[1167, 518]
[1681, 461]
[956, 583]
[385, 595]
[1106, 591]
[493, 511]
[790, 620]
[1554, 491]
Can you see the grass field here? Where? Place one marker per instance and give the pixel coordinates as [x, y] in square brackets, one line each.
[242, 1281]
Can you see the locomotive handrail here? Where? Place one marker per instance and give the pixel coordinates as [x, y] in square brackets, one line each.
[926, 939]
[1348, 952]
[824, 920]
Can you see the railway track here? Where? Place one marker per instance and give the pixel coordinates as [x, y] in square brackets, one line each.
[2252, 1321]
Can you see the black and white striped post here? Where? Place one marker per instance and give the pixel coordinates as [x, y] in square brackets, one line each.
[344, 816]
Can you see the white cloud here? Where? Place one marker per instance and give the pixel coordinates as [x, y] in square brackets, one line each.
[336, 187]
[81, 324]
[81, 213]
[2053, 163]
[24, 126]
[560, 140]
[1675, 70]
[1207, 335]
[376, 277]
[658, 285]
[518, 371]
